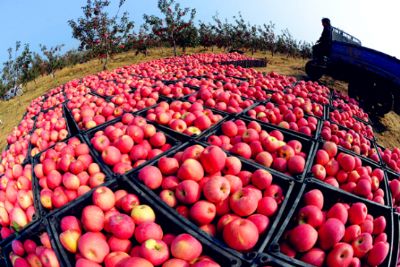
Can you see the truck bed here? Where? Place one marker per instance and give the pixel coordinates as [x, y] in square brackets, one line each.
[368, 59]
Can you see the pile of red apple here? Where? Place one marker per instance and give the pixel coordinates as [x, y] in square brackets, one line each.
[285, 117]
[107, 88]
[15, 154]
[176, 90]
[292, 101]
[26, 253]
[349, 140]
[344, 234]
[117, 230]
[345, 118]
[53, 100]
[16, 199]
[66, 172]
[350, 105]
[74, 88]
[141, 98]
[129, 143]
[244, 89]
[213, 191]
[394, 186]
[266, 148]
[183, 117]
[22, 130]
[391, 157]
[347, 172]
[312, 90]
[35, 107]
[221, 100]
[90, 111]
[51, 127]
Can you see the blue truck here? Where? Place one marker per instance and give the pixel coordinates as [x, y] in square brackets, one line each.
[373, 77]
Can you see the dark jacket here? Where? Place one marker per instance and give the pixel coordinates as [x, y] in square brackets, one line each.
[326, 36]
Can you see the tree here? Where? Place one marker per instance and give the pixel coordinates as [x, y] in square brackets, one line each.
[53, 58]
[268, 37]
[98, 32]
[207, 36]
[24, 65]
[173, 23]
[188, 37]
[222, 30]
[143, 40]
[10, 72]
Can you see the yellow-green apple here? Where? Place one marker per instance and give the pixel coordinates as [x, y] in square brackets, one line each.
[142, 213]
[69, 240]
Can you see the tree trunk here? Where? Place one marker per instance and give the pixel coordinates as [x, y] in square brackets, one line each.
[174, 48]
[212, 48]
[105, 62]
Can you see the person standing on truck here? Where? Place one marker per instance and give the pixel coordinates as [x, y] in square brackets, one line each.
[323, 46]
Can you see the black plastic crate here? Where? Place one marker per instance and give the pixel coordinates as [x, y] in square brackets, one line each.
[163, 218]
[372, 142]
[331, 197]
[390, 175]
[287, 185]
[69, 126]
[308, 145]
[36, 217]
[33, 233]
[328, 117]
[365, 162]
[173, 140]
[35, 181]
[383, 163]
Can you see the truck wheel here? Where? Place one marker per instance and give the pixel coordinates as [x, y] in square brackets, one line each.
[375, 97]
[380, 99]
[313, 71]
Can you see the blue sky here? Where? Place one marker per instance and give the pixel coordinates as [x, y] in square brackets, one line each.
[376, 23]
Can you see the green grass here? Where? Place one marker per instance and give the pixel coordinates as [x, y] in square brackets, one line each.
[11, 111]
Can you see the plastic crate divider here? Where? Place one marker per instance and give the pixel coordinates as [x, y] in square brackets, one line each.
[33, 233]
[286, 183]
[162, 216]
[334, 196]
[72, 125]
[264, 259]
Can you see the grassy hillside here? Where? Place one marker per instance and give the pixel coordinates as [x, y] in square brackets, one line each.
[11, 111]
